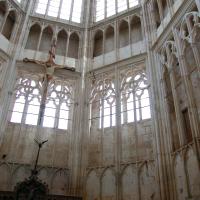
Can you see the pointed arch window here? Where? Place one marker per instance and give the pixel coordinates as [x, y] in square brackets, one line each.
[63, 9]
[107, 8]
[135, 102]
[27, 101]
[34, 104]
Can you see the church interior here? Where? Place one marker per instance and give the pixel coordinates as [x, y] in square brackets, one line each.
[100, 99]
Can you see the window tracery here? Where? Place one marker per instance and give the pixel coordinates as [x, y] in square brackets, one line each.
[134, 98]
[27, 100]
[63, 9]
[135, 103]
[103, 102]
[58, 103]
[31, 101]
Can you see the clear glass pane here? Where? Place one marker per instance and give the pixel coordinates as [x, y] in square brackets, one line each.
[106, 122]
[53, 8]
[100, 6]
[65, 9]
[146, 113]
[107, 111]
[48, 122]
[31, 119]
[64, 114]
[16, 117]
[18, 107]
[133, 3]
[130, 116]
[50, 112]
[76, 14]
[33, 109]
[145, 102]
[122, 118]
[42, 6]
[130, 106]
[110, 7]
[113, 120]
[122, 5]
[62, 124]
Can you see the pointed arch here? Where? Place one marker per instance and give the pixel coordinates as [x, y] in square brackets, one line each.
[98, 43]
[59, 182]
[33, 37]
[61, 46]
[92, 186]
[9, 24]
[109, 39]
[129, 183]
[73, 50]
[108, 185]
[136, 29]
[123, 34]
[45, 43]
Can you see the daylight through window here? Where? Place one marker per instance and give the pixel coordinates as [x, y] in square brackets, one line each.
[63, 9]
[107, 8]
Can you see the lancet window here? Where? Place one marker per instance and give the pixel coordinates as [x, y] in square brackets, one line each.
[58, 104]
[63, 9]
[103, 103]
[135, 103]
[36, 103]
[27, 100]
[134, 100]
[107, 8]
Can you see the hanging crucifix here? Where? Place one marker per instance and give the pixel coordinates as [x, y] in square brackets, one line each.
[50, 67]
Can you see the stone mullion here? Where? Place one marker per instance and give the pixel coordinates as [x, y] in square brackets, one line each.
[71, 10]
[102, 122]
[135, 133]
[60, 7]
[57, 114]
[118, 147]
[188, 86]
[47, 8]
[24, 113]
[105, 8]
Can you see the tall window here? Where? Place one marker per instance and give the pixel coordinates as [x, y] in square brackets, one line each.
[63, 9]
[27, 101]
[107, 8]
[36, 105]
[58, 103]
[103, 103]
[135, 104]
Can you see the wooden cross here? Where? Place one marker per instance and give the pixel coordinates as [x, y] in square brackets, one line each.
[50, 67]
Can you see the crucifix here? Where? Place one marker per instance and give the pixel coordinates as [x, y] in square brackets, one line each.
[50, 67]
